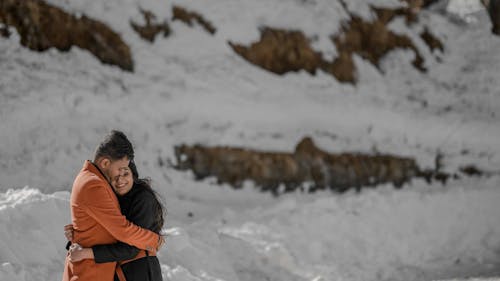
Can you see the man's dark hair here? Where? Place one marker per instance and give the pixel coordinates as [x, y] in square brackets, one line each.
[115, 146]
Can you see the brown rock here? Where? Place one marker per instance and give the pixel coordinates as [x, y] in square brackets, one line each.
[4, 31]
[432, 41]
[417, 5]
[281, 51]
[343, 171]
[188, 18]
[385, 15]
[151, 28]
[372, 41]
[308, 163]
[342, 68]
[42, 26]
[471, 170]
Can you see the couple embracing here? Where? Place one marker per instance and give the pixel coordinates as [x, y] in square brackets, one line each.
[116, 219]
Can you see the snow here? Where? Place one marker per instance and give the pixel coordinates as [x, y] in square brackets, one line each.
[464, 7]
[404, 235]
[191, 88]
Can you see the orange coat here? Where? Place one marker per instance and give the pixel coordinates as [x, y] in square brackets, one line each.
[96, 219]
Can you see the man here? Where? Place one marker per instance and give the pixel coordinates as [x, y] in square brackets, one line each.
[95, 212]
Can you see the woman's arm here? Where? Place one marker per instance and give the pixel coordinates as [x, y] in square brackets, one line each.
[104, 253]
[113, 252]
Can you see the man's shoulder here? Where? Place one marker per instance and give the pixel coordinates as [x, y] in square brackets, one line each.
[89, 188]
[88, 177]
[86, 181]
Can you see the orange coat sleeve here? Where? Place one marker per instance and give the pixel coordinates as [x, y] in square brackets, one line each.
[99, 204]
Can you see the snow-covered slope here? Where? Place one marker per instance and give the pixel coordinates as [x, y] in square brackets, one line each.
[378, 235]
[192, 88]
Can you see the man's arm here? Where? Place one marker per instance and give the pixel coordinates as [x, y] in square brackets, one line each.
[99, 205]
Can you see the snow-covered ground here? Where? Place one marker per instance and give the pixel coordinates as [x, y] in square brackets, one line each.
[191, 88]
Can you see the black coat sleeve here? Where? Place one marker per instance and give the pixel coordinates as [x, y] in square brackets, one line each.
[142, 214]
[114, 252]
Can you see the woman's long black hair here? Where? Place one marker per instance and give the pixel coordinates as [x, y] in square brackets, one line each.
[145, 183]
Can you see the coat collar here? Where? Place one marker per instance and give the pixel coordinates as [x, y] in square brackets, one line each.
[91, 167]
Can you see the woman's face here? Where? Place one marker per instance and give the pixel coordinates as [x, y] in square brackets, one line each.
[123, 183]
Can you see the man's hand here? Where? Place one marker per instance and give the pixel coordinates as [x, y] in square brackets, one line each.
[68, 232]
[77, 253]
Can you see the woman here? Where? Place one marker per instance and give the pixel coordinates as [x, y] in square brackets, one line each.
[139, 203]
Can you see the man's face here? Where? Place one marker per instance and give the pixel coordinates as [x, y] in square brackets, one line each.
[115, 168]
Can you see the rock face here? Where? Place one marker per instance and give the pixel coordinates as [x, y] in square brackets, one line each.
[188, 17]
[151, 28]
[371, 41]
[42, 26]
[432, 42]
[419, 4]
[308, 163]
[282, 51]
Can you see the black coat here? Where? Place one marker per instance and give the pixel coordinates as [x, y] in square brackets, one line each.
[139, 205]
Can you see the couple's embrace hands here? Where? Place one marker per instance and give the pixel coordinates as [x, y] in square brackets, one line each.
[78, 253]
[75, 251]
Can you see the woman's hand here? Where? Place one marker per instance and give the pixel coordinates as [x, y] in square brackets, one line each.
[68, 232]
[161, 242]
[77, 253]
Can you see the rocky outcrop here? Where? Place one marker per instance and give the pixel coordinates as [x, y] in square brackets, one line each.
[188, 17]
[431, 41]
[151, 28]
[417, 5]
[371, 41]
[4, 31]
[308, 164]
[310, 168]
[43, 26]
[281, 51]
[385, 15]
